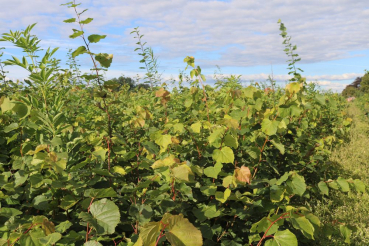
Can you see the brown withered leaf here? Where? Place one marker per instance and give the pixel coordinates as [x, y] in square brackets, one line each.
[243, 174]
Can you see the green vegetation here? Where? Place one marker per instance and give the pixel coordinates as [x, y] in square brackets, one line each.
[228, 165]
[350, 160]
[357, 88]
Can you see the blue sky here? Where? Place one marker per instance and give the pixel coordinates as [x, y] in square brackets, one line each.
[240, 36]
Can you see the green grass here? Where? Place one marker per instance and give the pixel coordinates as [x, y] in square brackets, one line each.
[350, 160]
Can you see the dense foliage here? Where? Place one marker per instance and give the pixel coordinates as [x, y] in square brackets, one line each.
[198, 165]
[359, 87]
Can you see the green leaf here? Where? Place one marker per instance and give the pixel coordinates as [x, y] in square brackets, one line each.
[20, 178]
[63, 226]
[88, 20]
[21, 110]
[297, 184]
[215, 137]
[276, 193]
[293, 87]
[41, 202]
[196, 127]
[80, 50]
[94, 38]
[68, 201]
[76, 34]
[303, 224]
[9, 212]
[104, 59]
[11, 127]
[100, 193]
[278, 145]
[269, 127]
[32, 238]
[213, 172]
[100, 154]
[320, 99]
[182, 172]
[343, 184]
[231, 141]
[224, 155]
[222, 196]
[151, 147]
[323, 188]
[346, 233]
[6, 104]
[71, 20]
[282, 238]
[263, 224]
[359, 185]
[206, 212]
[163, 141]
[149, 233]
[182, 232]
[107, 216]
[120, 170]
[50, 239]
[92, 243]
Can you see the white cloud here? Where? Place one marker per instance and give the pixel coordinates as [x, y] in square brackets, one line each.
[246, 32]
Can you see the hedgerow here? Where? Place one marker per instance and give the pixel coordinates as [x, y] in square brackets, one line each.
[197, 165]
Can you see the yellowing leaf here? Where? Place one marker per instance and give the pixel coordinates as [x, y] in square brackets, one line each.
[119, 169]
[196, 127]
[243, 174]
[40, 148]
[182, 172]
[293, 87]
[168, 161]
[222, 197]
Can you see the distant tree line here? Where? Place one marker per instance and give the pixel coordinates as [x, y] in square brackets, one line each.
[127, 81]
[359, 86]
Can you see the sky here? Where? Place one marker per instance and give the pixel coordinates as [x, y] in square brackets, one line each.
[241, 37]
